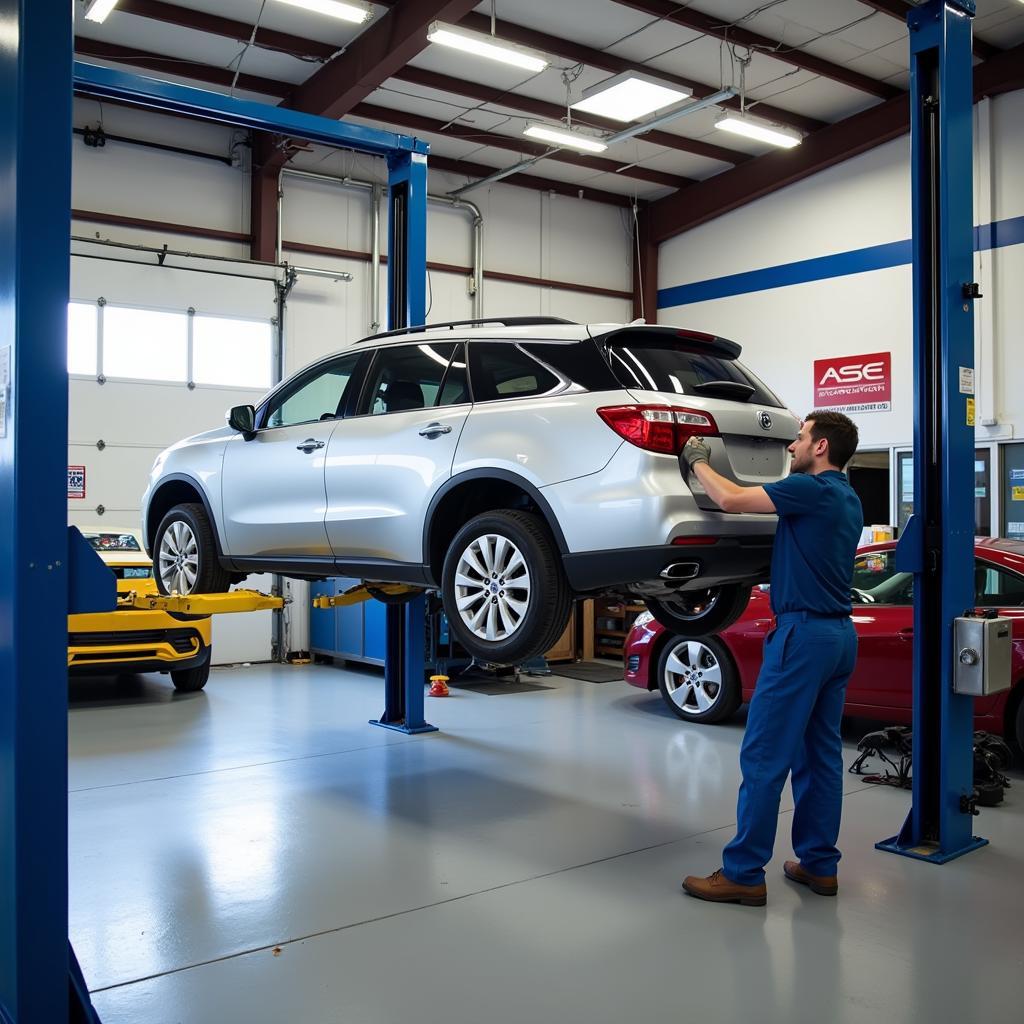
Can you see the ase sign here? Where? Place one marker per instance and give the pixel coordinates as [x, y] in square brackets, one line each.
[854, 383]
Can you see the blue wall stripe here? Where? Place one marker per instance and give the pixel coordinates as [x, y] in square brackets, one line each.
[856, 261]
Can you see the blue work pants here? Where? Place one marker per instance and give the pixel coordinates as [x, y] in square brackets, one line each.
[794, 725]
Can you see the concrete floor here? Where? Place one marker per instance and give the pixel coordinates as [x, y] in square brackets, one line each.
[258, 853]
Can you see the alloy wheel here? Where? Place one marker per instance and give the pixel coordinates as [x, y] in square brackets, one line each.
[693, 677]
[492, 587]
[178, 558]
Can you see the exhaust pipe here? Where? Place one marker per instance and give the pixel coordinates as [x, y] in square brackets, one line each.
[680, 571]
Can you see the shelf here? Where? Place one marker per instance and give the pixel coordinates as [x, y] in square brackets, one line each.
[612, 632]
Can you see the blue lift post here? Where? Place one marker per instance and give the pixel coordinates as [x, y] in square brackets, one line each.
[938, 543]
[42, 575]
[407, 282]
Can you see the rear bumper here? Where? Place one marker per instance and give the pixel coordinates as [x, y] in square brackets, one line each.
[730, 560]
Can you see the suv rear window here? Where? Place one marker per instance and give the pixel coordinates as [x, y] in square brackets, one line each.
[681, 370]
[500, 370]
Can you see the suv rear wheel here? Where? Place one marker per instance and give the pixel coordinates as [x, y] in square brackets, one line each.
[693, 613]
[504, 591]
[185, 553]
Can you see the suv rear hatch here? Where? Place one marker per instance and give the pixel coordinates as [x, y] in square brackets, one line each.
[710, 393]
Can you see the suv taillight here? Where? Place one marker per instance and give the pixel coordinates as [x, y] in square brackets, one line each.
[658, 428]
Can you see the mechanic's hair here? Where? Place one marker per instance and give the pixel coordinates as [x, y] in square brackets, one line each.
[840, 432]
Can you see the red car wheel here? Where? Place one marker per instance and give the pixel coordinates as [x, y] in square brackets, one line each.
[698, 679]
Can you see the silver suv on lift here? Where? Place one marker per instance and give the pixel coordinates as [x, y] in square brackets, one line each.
[512, 464]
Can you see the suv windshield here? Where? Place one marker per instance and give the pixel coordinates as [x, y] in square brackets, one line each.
[682, 370]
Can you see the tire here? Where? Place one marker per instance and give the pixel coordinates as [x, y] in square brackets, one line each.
[191, 680]
[698, 679]
[185, 554]
[528, 619]
[697, 613]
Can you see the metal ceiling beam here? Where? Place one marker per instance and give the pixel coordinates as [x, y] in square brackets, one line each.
[183, 68]
[717, 28]
[297, 46]
[898, 9]
[700, 203]
[517, 144]
[609, 62]
[228, 28]
[554, 112]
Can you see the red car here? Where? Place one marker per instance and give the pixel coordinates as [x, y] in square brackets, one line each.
[706, 680]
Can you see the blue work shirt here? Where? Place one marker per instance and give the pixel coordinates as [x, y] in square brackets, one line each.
[820, 523]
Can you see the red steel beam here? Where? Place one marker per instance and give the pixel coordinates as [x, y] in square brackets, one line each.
[521, 145]
[697, 204]
[554, 112]
[718, 28]
[178, 66]
[645, 269]
[609, 62]
[898, 9]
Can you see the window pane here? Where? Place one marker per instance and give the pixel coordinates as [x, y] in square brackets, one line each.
[996, 587]
[408, 377]
[455, 390]
[313, 398]
[145, 344]
[82, 338]
[232, 352]
[1013, 491]
[876, 581]
[502, 371]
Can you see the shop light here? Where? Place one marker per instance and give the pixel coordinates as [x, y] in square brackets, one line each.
[761, 131]
[482, 45]
[97, 10]
[355, 13]
[565, 137]
[629, 97]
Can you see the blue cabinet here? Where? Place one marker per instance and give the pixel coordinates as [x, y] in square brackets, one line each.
[356, 632]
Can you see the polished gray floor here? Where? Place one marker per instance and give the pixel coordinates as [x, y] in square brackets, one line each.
[258, 853]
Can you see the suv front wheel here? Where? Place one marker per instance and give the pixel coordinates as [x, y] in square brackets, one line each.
[504, 591]
[693, 613]
[185, 553]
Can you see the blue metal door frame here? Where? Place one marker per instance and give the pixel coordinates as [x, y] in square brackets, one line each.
[37, 76]
[938, 543]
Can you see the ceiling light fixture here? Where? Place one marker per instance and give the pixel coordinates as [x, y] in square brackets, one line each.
[97, 10]
[761, 131]
[566, 137]
[629, 97]
[355, 13]
[481, 45]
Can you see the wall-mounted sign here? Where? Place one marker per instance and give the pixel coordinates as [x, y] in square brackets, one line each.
[76, 481]
[854, 383]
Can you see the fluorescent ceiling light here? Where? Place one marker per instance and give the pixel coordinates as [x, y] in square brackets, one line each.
[629, 97]
[762, 131]
[565, 137]
[482, 45]
[356, 13]
[97, 10]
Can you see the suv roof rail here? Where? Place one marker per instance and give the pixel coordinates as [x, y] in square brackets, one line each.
[498, 321]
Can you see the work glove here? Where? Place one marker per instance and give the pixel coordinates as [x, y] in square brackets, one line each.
[695, 450]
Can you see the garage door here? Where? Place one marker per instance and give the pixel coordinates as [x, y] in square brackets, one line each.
[155, 354]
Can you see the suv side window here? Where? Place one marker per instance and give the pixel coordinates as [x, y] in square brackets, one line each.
[407, 377]
[313, 397]
[995, 587]
[455, 388]
[500, 370]
[578, 361]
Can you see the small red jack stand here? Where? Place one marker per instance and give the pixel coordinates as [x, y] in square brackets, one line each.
[439, 686]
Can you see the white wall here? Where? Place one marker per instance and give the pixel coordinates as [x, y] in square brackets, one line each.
[525, 233]
[862, 202]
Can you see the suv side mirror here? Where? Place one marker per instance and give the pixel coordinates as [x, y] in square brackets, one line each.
[243, 419]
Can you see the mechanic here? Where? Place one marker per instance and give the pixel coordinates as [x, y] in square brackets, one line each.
[795, 715]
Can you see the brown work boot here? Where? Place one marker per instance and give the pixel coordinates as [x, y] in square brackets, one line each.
[718, 889]
[823, 885]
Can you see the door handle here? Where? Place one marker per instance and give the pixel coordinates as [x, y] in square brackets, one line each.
[310, 445]
[906, 634]
[435, 429]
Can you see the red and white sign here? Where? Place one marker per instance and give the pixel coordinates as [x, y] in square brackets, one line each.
[76, 481]
[854, 383]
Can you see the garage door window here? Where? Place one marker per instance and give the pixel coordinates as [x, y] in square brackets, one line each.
[145, 344]
[230, 352]
[82, 338]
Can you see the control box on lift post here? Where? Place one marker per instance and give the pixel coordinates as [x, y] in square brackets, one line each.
[983, 647]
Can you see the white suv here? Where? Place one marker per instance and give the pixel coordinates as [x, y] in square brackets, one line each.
[512, 464]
